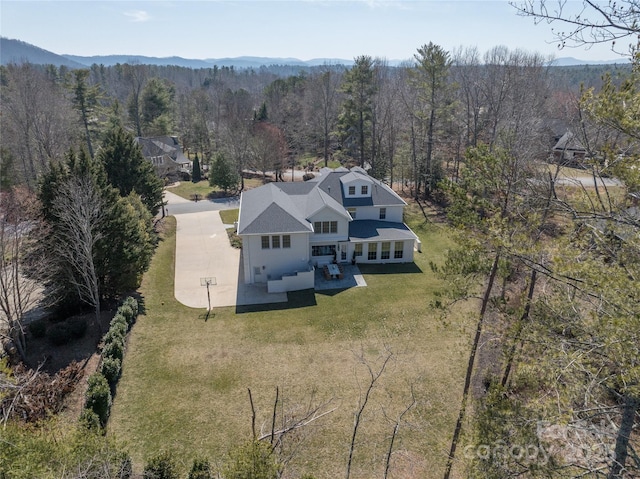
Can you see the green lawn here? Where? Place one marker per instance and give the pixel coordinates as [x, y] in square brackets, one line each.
[185, 380]
[229, 216]
[187, 189]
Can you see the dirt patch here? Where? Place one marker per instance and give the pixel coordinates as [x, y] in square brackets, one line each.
[53, 358]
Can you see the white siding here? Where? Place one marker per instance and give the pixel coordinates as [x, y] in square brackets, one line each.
[263, 264]
[328, 214]
[358, 184]
[393, 213]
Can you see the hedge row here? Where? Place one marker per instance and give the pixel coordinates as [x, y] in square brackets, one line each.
[103, 383]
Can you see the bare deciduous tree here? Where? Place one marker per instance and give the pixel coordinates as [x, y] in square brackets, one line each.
[79, 209]
[373, 374]
[589, 22]
[21, 273]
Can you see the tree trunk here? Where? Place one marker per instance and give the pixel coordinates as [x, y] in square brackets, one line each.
[472, 357]
[629, 408]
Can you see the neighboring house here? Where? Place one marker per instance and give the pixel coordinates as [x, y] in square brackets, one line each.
[165, 153]
[569, 151]
[341, 215]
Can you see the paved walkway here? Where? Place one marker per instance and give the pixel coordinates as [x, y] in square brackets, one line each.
[203, 253]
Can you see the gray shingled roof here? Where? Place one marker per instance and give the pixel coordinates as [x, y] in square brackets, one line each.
[381, 194]
[267, 210]
[375, 230]
[284, 207]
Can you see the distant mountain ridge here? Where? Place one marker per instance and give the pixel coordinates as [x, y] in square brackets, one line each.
[237, 62]
[17, 51]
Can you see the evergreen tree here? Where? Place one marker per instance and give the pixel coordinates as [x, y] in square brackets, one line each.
[157, 105]
[197, 175]
[86, 101]
[223, 174]
[355, 119]
[128, 171]
[429, 77]
[128, 246]
[99, 243]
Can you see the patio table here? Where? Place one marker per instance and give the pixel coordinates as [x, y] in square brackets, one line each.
[334, 271]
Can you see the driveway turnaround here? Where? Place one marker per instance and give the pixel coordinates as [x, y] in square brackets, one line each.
[205, 260]
[204, 255]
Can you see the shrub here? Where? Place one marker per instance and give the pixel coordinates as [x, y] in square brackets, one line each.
[110, 369]
[38, 328]
[77, 326]
[133, 304]
[117, 330]
[118, 318]
[126, 311]
[99, 397]
[114, 349]
[89, 420]
[59, 334]
[161, 467]
[253, 459]
[201, 469]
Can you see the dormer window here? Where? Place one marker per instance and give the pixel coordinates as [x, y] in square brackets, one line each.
[352, 190]
[364, 190]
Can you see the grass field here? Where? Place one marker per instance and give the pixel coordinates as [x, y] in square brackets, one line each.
[187, 189]
[185, 380]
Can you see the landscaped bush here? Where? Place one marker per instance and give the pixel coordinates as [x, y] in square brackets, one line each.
[161, 467]
[114, 349]
[38, 328]
[126, 311]
[59, 334]
[110, 369]
[89, 419]
[118, 330]
[99, 397]
[77, 326]
[133, 304]
[118, 318]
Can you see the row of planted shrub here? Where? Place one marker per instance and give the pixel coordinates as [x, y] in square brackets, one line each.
[103, 383]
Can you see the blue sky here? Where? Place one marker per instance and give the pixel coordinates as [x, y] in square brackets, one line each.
[303, 29]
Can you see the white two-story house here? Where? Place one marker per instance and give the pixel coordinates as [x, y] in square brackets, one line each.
[341, 215]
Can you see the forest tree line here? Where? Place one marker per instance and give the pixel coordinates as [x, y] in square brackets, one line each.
[404, 123]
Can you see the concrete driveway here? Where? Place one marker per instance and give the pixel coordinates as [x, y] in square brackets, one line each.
[203, 253]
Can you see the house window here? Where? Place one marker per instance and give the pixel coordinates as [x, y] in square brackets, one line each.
[325, 227]
[352, 190]
[358, 249]
[275, 241]
[286, 241]
[323, 250]
[383, 213]
[385, 250]
[364, 190]
[373, 251]
[256, 270]
[265, 242]
[352, 212]
[398, 250]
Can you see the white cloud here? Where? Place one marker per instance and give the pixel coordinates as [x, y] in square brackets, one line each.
[137, 16]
